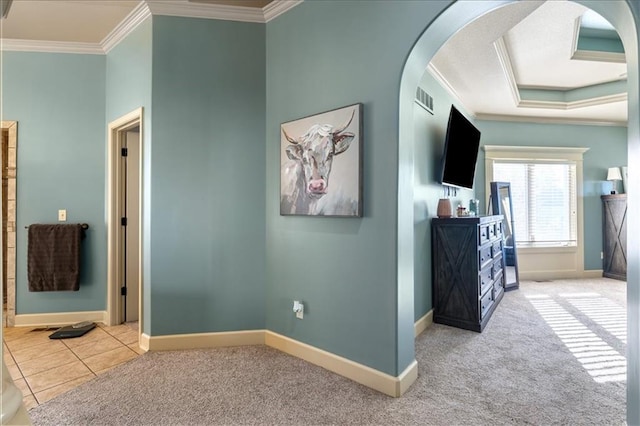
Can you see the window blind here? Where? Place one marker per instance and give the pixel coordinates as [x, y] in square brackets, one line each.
[544, 201]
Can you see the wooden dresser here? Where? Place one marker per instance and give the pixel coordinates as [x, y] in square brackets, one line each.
[468, 264]
[614, 236]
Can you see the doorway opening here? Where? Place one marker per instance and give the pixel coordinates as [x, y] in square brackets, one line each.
[436, 34]
[9, 168]
[124, 230]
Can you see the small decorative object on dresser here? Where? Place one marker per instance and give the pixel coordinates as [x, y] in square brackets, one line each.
[614, 236]
[444, 207]
[468, 278]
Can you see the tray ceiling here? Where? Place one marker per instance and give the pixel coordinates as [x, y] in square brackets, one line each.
[553, 61]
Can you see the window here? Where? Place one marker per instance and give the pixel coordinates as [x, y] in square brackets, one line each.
[544, 200]
[546, 187]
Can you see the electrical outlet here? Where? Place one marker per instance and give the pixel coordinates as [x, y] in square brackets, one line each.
[62, 215]
[298, 308]
[601, 255]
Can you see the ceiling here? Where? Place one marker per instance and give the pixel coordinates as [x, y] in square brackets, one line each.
[553, 61]
[533, 60]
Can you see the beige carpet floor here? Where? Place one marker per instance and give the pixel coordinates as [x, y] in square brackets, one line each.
[553, 354]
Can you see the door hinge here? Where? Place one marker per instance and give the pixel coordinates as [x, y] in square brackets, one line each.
[123, 221]
[123, 291]
[124, 152]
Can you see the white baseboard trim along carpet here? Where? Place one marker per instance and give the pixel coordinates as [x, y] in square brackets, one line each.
[372, 378]
[553, 353]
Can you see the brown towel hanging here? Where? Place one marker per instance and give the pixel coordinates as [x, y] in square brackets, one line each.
[53, 257]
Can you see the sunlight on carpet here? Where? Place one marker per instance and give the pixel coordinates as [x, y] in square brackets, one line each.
[598, 358]
[605, 313]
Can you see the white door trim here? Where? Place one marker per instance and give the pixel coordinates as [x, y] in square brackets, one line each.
[116, 132]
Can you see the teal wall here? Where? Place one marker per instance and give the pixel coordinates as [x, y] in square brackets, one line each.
[323, 55]
[129, 76]
[429, 136]
[58, 101]
[207, 230]
[218, 256]
[607, 148]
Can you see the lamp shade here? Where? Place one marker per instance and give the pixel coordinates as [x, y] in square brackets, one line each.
[614, 173]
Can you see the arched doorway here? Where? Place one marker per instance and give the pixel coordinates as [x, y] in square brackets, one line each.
[436, 34]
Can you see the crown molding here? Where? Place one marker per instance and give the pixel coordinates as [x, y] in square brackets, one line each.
[507, 68]
[550, 120]
[126, 26]
[145, 9]
[186, 9]
[440, 78]
[576, 35]
[277, 8]
[583, 103]
[16, 45]
[592, 55]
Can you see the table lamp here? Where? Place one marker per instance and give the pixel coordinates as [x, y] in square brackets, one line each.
[614, 175]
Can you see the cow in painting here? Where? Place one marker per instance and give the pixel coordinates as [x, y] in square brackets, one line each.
[305, 175]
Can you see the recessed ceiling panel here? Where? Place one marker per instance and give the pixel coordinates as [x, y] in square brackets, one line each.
[515, 64]
[541, 47]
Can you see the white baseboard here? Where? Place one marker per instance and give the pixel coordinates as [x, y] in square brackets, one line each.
[558, 275]
[367, 376]
[593, 273]
[58, 319]
[144, 342]
[423, 323]
[202, 340]
[382, 382]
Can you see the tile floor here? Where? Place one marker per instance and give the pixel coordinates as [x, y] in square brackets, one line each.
[43, 368]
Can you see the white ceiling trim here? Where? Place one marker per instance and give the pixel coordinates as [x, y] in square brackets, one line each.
[126, 26]
[206, 11]
[589, 55]
[592, 55]
[16, 45]
[507, 68]
[549, 120]
[437, 75]
[278, 7]
[145, 9]
[582, 103]
[575, 36]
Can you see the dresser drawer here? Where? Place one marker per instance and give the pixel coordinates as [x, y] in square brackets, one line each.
[497, 267]
[483, 234]
[485, 255]
[496, 249]
[492, 231]
[485, 280]
[498, 284]
[485, 303]
[499, 231]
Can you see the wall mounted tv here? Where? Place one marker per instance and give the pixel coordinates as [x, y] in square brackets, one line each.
[460, 151]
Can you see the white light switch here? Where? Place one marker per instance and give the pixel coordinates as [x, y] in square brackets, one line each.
[62, 215]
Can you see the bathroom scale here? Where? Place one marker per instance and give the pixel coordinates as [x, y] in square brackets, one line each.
[75, 330]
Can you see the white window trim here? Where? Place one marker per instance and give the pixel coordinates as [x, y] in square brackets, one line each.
[575, 268]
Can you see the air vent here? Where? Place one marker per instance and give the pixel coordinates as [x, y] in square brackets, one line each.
[424, 100]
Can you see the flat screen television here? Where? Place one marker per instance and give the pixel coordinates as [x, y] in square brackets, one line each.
[460, 151]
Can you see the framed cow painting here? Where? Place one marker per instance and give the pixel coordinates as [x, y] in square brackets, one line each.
[321, 164]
